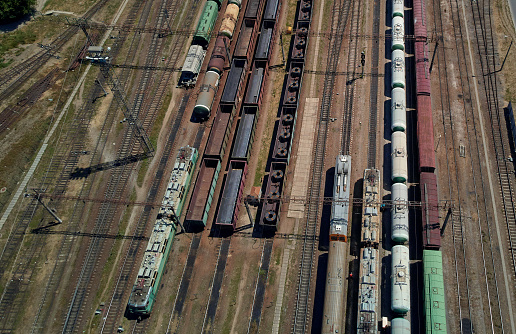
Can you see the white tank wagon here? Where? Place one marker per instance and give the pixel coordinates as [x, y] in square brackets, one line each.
[204, 102]
[398, 8]
[400, 326]
[398, 68]
[399, 213]
[400, 302]
[334, 290]
[398, 109]
[192, 65]
[370, 215]
[399, 157]
[367, 322]
[398, 33]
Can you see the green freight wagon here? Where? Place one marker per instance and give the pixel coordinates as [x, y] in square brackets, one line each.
[206, 23]
[434, 294]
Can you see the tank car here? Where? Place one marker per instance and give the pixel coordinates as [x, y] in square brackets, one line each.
[218, 55]
[399, 157]
[229, 21]
[335, 280]
[398, 109]
[398, 33]
[400, 302]
[400, 326]
[398, 68]
[398, 8]
[367, 322]
[204, 102]
[399, 213]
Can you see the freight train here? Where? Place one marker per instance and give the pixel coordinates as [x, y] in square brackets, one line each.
[286, 122]
[400, 279]
[369, 283]
[235, 100]
[433, 280]
[334, 291]
[146, 286]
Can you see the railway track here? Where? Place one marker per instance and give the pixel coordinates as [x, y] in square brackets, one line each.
[125, 279]
[341, 11]
[492, 317]
[349, 99]
[487, 54]
[17, 75]
[373, 90]
[211, 309]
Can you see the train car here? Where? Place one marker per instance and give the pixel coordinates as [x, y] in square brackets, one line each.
[285, 133]
[398, 109]
[254, 10]
[422, 67]
[158, 248]
[264, 46]
[337, 252]
[272, 9]
[400, 302]
[192, 65]
[434, 294]
[305, 11]
[430, 211]
[230, 20]
[243, 142]
[425, 134]
[294, 81]
[300, 42]
[370, 235]
[367, 322]
[209, 87]
[219, 54]
[246, 41]
[398, 68]
[232, 195]
[219, 134]
[270, 215]
[398, 33]
[235, 83]
[399, 157]
[254, 92]
[206, 23]
[400, 326]
[399, 213]
[398, 8]
[420, 28]
[202, 197]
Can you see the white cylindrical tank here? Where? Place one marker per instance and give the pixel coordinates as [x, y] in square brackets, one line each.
[398, 109]
[399, 213]
[209, 87]
[400, 302]
[400, 326]
[397, 8]
[398, 33]
[398, 68]
[399, 157]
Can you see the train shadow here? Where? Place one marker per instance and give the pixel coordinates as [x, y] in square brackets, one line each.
[320, 285]
[324, 236]
[352, 296]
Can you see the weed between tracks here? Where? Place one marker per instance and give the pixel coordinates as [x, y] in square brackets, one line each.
[232, 293]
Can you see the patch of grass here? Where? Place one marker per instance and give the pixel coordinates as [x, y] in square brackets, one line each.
[13, 40]
[272, 276]
[232, 292]
[277, 258]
